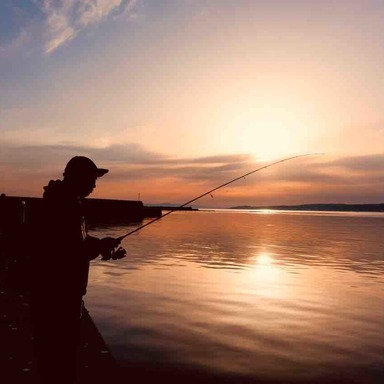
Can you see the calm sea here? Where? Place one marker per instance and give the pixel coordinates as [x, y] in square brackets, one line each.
[286, 297]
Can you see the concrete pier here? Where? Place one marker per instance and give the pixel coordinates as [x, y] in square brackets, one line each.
[95, 362]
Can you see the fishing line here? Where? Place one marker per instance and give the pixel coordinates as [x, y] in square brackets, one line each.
[213, 190]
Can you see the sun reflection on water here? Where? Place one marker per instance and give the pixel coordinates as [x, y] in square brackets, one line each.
[266, 276]
[264, 259]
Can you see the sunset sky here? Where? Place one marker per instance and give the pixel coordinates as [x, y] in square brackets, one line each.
[178, 96]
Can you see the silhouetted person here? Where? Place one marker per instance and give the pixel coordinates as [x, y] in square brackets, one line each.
[63, 250]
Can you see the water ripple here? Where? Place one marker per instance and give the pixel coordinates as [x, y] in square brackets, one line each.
[292, 296]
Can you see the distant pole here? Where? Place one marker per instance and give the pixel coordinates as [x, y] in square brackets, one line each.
[138, 196]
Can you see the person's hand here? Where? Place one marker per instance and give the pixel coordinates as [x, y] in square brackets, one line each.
[109, 243]
[107, 246]
[119, 253]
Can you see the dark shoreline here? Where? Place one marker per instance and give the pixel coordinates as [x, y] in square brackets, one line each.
[319, 207]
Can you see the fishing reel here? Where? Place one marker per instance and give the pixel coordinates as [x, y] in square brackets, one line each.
[114, 254]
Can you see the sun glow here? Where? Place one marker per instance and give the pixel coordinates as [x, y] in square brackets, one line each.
[263, 137]
[268, 126]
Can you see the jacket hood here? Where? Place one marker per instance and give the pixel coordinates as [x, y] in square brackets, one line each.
[53, 190]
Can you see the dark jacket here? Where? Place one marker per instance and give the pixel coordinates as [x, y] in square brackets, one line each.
[63, 246]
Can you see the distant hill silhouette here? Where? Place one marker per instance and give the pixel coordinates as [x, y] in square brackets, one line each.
[321, 207]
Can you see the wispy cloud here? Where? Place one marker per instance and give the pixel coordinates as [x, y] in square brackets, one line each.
[132, 160]
[371, 163]
[49, 24]
[128, 156]
[64, 19]
[317, 179]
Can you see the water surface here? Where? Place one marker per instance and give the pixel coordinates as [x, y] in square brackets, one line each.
[262, 295]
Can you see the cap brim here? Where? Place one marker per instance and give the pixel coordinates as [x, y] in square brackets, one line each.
[101, 171]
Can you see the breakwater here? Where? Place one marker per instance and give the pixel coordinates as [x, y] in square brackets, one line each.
[16, 210]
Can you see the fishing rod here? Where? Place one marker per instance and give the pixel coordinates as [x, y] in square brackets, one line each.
[213, 190]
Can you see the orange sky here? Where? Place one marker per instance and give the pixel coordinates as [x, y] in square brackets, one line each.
[177, 97]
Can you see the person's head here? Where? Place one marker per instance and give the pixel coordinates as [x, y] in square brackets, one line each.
[81, 173]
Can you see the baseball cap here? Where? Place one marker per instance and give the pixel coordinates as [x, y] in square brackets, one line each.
[80, 165]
